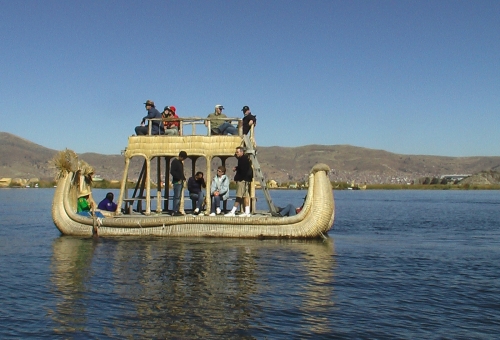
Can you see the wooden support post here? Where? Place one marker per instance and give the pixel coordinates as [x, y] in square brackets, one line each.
[166, 193]
[123, 186]
[142, 183]
[193, 171]
[148, 187]
[223, 161]
[158, 185]
[208, 181]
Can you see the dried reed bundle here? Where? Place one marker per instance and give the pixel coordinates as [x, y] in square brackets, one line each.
[67, 161]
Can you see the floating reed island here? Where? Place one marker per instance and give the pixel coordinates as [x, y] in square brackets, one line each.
[146, 212]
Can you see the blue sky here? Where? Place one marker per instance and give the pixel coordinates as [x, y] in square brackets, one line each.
[410, 77]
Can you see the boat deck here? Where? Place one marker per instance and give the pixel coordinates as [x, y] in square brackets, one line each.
[154, 214]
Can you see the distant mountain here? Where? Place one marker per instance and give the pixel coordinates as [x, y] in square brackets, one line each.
[24, 159]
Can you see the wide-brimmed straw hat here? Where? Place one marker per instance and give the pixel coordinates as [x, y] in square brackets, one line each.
[84, 193]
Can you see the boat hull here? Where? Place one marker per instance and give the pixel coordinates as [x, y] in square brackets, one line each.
[314, 221]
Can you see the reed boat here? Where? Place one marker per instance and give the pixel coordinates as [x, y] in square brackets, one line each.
[151, 217]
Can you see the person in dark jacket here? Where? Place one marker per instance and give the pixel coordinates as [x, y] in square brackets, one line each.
[157, 125]
[107, 203]
[195, 185]
[248, 120]
[243, 177]
[178, 178]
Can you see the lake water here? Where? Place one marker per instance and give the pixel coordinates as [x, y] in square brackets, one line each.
[397, 265]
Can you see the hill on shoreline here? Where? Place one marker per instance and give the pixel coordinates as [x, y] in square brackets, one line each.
[20, 158]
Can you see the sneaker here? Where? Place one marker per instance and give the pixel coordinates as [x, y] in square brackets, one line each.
[177, 213]
[229, 214]
[212, 214]
[218, 211]
[196, 211]
[244, 215]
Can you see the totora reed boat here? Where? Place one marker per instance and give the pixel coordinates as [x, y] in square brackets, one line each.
[151, 217]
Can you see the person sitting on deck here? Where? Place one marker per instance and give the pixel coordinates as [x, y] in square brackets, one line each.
[86, 206]
[289, 209]
[157, 127]
[178, 178]
[171, 128]
[219, 189]
[107, 203]
[195, 185]
[218, 127]
[248, 120]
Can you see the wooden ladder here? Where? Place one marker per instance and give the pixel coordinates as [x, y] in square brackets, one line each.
[252, 153]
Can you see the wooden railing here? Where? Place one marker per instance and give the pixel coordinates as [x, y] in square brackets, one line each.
[193, 122]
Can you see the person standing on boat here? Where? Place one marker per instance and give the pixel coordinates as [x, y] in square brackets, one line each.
[195, 186]
[178, 178]
[243, 177]
[249, 120]
[219, 189]
[157, 126]
[171, 128]
[218, 127]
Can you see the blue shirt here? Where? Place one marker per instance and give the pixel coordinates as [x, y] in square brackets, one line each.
[107, 205]
[157, 124]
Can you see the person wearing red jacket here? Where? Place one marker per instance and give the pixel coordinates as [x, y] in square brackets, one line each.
[171, 127]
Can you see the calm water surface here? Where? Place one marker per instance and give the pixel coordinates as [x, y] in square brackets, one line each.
[397, 265]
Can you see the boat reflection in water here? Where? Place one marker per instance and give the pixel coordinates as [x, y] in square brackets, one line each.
[179, 287]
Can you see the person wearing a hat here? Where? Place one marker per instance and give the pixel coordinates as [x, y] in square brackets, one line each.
[248, 119]
[178, 178]
[171, 128]
[157, 126]
[84, 203]
[219, 127]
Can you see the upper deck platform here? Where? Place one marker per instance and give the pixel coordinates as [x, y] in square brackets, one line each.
[202, 143]
[207, 146]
